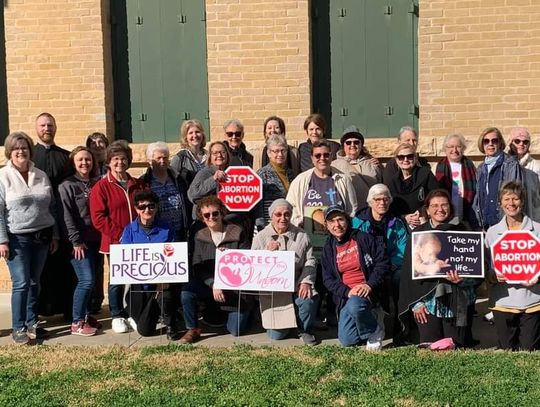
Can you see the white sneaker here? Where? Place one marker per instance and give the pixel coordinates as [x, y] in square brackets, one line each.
[375, 340]
[119, 325]
[132, 324]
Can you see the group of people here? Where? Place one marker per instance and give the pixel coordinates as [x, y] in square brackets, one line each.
[348, 219]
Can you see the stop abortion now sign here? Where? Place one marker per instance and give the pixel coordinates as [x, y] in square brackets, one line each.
[516, 255]
[242, 190]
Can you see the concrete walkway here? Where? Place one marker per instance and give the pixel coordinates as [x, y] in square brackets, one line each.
[211, 337]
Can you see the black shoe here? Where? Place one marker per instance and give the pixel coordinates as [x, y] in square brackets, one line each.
[20, 337]
[173, 334]
[36, 332]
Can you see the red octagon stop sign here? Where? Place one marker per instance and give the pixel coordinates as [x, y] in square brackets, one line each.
[516, 255]
[242, 190]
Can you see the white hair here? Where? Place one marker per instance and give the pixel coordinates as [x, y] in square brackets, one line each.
[455, 135]
[157, 146]
[407, 128]
[378, 189]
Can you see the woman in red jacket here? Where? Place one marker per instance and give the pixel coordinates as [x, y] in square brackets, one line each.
[112, 209]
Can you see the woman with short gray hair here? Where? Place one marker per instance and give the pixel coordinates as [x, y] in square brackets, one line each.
[457, 174]
[276, 178]
[390, 232]
[170, 187]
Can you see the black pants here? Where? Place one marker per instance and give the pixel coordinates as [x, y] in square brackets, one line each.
[439, 328]
[518, 331]
[145, 308]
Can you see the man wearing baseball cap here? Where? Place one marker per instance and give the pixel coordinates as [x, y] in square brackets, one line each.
[354, 268]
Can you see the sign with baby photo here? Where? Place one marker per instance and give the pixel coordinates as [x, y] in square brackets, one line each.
[435, 253]
[254, 270]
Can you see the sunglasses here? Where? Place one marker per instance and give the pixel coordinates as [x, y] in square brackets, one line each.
[402, 157]
[318, 156]
[214, 214]
[282, 215]
[352, 142]
[143, 207]
[493, 141]
[236, 134]
[524, 142]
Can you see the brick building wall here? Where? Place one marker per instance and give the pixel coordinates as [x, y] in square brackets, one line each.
[258, 63]
[479, 66]
[55, 53]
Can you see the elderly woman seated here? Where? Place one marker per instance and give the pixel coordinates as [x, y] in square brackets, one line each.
[283, 311]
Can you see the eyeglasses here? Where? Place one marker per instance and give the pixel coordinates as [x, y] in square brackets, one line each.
[402, 157]
[385, 199]
[149, 206]
[236, 134]
[213, 214]
[20, 148]
[493, 141]
[282, 214]
[277, 152]
[352, 142]
[442, 206]
[318, 156]
[524, 142]
[216, 153]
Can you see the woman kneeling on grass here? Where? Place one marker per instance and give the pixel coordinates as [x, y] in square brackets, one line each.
[354, 268]
[516, 307]
[283, 311]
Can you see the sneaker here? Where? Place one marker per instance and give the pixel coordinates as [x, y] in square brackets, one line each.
[36, 332]
[132, 324]
[119, 326]
[192, 335]
[20, 337]
[308, 339]
[93, 322]
[489, 318]
[374, 342]
[82, 329]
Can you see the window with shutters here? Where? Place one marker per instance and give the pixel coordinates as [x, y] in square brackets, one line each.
[365, 64]
[159, 67]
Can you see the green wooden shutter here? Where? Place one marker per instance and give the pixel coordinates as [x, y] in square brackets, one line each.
[165, 46]
[366, 73]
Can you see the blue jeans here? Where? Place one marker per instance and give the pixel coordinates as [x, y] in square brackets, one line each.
[305, 309]
[356, 321]
[237, 322]
[27, 257]
[85, 269]
[116, 299]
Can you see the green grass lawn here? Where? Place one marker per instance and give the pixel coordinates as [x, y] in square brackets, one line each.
[243, 375]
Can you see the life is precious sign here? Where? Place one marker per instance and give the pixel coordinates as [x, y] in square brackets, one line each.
[242, 190]
[254, 270]
[149, 263]
[516, 255]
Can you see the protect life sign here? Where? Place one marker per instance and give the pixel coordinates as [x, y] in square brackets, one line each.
[149, 263]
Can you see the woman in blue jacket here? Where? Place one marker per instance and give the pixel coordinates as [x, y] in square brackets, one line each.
[391, 233]
[148, 228]
[354, 268]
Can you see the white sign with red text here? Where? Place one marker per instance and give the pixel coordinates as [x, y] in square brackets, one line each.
[254, 270]
[149, 263]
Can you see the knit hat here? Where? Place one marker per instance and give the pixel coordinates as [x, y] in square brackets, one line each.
[279, 202]
[351, 132]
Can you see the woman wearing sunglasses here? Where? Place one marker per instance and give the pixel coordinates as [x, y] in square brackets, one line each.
[410, 185]
[355, 160]
[217, 235]
[234, 134]
[520, 142]
[497, 169]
